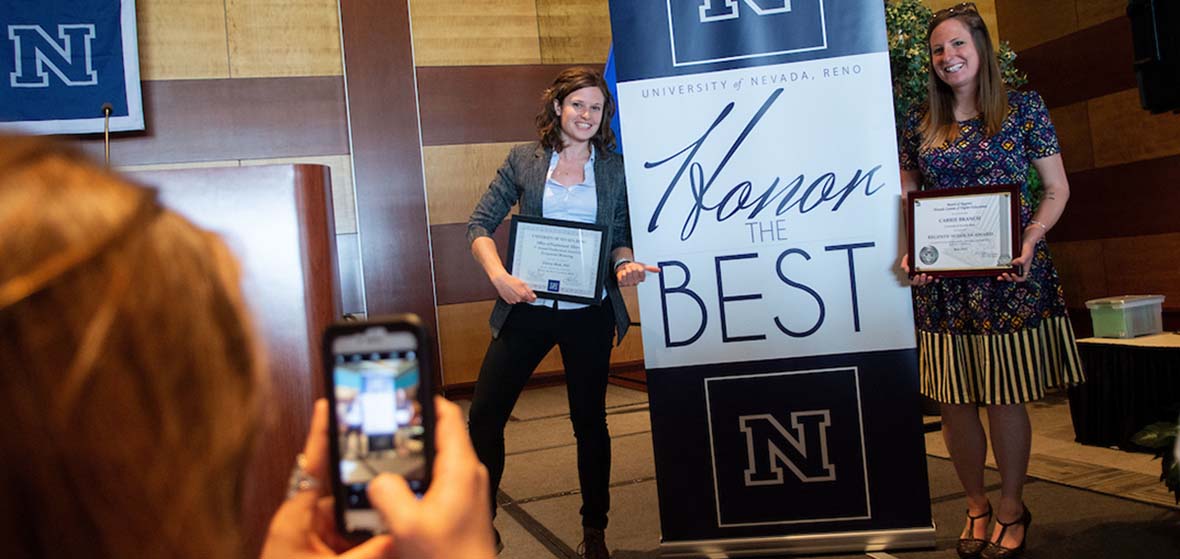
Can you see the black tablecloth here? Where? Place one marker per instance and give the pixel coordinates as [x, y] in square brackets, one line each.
[1126, 389]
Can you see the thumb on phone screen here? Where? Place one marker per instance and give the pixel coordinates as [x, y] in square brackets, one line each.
[453, 518]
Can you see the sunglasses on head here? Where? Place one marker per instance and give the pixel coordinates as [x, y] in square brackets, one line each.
[960, 8]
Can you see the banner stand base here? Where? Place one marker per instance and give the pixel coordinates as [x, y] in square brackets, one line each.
[876, 540]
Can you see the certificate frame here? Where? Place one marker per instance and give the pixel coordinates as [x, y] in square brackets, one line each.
[524, 229]
[1011, 229]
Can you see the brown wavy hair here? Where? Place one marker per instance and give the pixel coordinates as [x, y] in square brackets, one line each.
[130, 380]
[939, 125]
[567, 82]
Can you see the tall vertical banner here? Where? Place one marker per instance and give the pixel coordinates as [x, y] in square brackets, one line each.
[762, 173]
[61, 61]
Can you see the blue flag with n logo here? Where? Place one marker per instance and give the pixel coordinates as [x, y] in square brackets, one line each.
[62, 61]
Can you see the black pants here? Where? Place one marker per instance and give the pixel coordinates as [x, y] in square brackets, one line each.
[584, 337]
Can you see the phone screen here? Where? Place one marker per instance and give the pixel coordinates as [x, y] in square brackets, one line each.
[379, 418]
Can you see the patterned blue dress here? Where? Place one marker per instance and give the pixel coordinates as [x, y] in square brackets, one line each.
[982, 340]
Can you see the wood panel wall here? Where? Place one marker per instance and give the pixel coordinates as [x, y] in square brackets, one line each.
[207, 39]
[245, 82]
[1119, 234]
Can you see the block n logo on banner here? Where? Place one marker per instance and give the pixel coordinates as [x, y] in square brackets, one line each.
[762, 172]
[61, 61]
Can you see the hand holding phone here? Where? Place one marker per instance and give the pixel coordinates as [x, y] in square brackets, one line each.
[302, 527]
[451, 520]
[381, 413]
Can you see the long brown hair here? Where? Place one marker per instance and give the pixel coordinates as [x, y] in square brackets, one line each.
[567, 82]
[939, 125]
[129, 374]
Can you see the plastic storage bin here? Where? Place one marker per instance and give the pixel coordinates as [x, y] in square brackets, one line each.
[1127, 316]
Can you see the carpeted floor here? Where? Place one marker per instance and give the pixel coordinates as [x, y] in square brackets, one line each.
[1056, 457]
[539, 513]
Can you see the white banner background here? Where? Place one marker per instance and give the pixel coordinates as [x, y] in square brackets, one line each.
[808, 131]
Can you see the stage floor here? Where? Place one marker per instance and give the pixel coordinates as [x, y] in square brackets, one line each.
[1072, 490]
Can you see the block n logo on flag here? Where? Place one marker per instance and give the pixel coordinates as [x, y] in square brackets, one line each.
[62, 61]
[68, 56]
[709, 31]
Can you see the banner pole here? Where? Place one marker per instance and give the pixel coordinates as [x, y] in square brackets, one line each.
[106, 131]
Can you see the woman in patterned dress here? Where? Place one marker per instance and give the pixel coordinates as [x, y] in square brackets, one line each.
[996, 342]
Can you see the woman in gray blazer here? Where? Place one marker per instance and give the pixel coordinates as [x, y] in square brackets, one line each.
[571, 173]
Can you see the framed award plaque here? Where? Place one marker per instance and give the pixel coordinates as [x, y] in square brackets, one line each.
[957, 232]
[558, 259]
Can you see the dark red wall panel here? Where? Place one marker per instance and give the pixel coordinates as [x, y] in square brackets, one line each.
[387, 158]
[1138, 198]
[221, 120]
[459, 278]
[1089, 63]
[482, 104]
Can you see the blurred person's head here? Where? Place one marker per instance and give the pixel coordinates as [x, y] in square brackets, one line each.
[129, 376]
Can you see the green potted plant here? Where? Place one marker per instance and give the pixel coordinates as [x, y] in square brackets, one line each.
[909, 60]
[1161, 439]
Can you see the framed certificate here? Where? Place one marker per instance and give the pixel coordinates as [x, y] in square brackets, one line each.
[561, 260]
[958, 232]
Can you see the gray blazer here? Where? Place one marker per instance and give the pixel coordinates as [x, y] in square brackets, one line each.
[521, 179]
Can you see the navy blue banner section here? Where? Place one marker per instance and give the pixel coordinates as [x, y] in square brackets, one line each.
[62, 60]
[659, 38]
[805, 445]
[612, 83]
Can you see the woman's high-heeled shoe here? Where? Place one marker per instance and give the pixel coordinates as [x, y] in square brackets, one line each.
[996, 551]
[971, 547]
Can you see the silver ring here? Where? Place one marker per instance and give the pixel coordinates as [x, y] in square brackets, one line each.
[300, 479]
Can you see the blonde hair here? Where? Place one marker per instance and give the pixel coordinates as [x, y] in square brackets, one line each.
[129, 374]
[939, 126]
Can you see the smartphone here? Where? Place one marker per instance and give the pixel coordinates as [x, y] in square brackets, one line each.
[381, 412]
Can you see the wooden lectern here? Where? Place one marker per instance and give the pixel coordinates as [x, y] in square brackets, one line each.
[278, 221]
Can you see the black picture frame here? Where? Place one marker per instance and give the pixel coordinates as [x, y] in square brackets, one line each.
[547, 292]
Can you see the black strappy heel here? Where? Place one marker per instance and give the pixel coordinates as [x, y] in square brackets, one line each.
[996, 551]
[971, 547]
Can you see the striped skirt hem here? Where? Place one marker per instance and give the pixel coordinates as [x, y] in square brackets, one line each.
[997, 369]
